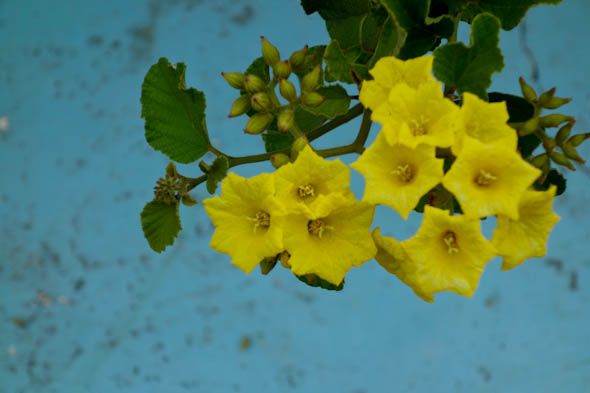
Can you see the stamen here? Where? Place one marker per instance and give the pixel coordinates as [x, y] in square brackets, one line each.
[404, 172]
[305, 191]
[418, 126]
[317, 227]
[261, 220]
[450, 239]
[484, 178]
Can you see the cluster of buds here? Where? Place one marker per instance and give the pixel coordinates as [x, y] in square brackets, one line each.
[172, 188]
[258, 98]
[538, 125]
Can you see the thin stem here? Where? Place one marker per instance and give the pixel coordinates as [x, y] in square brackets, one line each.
[353, 112]
[215, 151]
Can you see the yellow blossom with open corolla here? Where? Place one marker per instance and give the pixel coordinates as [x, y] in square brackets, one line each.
[419, 115]
[248, 220]
[484, 121]
[390, 71]
[393, 258]
[310, 178]
[517, 240]
[398, 176]
[449, 251]
[489, 179]
[329, 238]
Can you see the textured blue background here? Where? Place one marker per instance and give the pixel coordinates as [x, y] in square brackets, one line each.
[100, 312]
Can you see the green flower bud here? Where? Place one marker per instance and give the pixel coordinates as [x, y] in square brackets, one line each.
[287, 90]
[254, 84]
[188, 200]
[527, 92]
[297, 59]
[311, 81]
[313, 99]
[285, 120]
[267, 264]
[549, 143]
[171, 170]
[240, 106]
[577, 139]
[269, 52]
[554, 120]
[530, 126]
[563, 133]
[261, 102]
[204, 167]
[235, 79]
[282, 69]
[297, 146]
[556, 102]
[258, 123]
[570, 152]
[279, 159]
[546, 97]
[540, 160]
[560, 159]
[309, 60]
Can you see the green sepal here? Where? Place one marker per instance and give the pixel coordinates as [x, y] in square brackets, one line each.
[161, 224]
[553, 177]
[217, 172]
[471, 68]
[267, 264]
[314, 281]
[188, 200]
[336, 103]
[174, 115]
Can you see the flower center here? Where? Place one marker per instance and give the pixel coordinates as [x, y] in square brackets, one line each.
[317, 227]
[484, 178]
[261, 220]
[418, 126]
[404, 172]
[305, 191]
[450, 240]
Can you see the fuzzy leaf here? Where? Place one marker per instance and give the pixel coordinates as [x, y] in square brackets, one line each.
[174, 115]
[471, 68]
[277, 140]
[336, 103]
[391, 41]
[160, 224]
[217, 173]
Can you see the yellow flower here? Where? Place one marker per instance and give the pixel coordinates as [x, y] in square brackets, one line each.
[310, 178]
[248, 220]
[517, 240]
[415, 116]
[393, 258]
[449, 251]
[330, 238]
[488, 179]
[390, 71]
[484, 121]
[398, 176]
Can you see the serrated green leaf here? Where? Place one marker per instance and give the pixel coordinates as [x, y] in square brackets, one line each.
[174, 115]
[336, 103]
[511, 12]
[519, 109]
[346, 31]
[391, 41]
[471, 68]
[160, 224]
[336, 9]
[217, 173]
[339, 63]
[411, 16]
[307, 121]
[553, 177]
[276, 140]
[370, 29]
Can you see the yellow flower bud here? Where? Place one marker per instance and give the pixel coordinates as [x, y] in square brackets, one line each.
[560, 159]
[529, 127]
[298, 145]
[282, 69]
[269, 52]
[570, 152]
[287, 90]
[240, 106]
[527, 91]
[235, 79]
[279, 159]
[254, 84]
[285, 120]
[577, 139]
[297, 59]
[556, 102]
[313, 99]
[540, 160]
[563, 133]
[554, 120]
[311, 81]
[261, 102]
[546, 97]
[258, 123]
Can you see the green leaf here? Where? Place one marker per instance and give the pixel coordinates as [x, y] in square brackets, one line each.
[527, 144]
[174, 115]
[259, 68]
[411, 15]
[370, 29]
[519, 109]
[336, 9]
[339, 63]
[336, 103]
[161, 224]
[346, 31]
[510, 12]
[217, 173]
[314, 281]
[276, 140]
[307, 121]
[553, 177]
[391, 41]
[471, 68]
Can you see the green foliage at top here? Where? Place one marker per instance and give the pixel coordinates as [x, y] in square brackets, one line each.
[510, 12]
[471, 68]
[161, 224]
[174, 115]
[336, 9]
